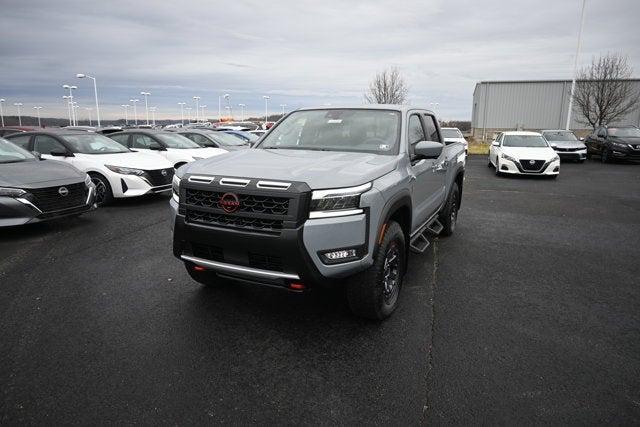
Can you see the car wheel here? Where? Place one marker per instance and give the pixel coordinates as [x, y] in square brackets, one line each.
[489, 164]
[204, 277]
[104, 195]
[498, 173]
[605, 157]
[449, 215]
[373, 294]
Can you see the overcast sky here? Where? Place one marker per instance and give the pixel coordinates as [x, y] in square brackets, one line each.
[298, 52]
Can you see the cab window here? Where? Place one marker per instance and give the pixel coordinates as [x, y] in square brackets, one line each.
[21, 141]
[121, 138]
[45, 144]
[143, 142]
[431, 128]
[416, 132]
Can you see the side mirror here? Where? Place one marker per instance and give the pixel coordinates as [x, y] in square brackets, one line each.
[428, 149]
[37, 155]
[495, 143]
[59, 153]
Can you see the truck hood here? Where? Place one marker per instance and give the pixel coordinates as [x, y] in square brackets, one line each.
[319, 169]
[37, 174]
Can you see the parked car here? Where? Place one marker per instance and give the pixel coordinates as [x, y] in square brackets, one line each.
[453, 135]
[104, 130]
[565, 143]
[177, 149]
[327, 194]
[32, 190]
[243, 135]
[241, 125]
[614, 143]
[215, 139]
[523, 153]
[115, 170]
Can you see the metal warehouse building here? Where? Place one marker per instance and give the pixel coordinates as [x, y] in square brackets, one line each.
[527, 105]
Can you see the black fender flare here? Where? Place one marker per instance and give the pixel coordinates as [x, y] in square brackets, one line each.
[400, 200]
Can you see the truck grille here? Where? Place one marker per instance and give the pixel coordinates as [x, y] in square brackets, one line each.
[248, 203]
[265, 262]
[531, 167]
[223, 220]
[156, 177]
[49, 199]
[212, 253]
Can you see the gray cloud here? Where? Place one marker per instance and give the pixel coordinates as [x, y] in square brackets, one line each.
[298, 52]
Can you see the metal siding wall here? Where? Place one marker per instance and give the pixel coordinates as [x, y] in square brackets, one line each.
[533, 105]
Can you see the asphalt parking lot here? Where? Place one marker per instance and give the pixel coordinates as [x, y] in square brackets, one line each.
[530, 313]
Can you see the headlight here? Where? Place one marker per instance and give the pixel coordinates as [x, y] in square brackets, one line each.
[337, 202]
[125, 171]
[175, 186]
[555, 158]
[11, 192]
[619, 145]
[506, 157]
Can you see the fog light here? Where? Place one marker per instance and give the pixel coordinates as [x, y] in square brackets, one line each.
[199, 268]
[295, 286]
[340, 255]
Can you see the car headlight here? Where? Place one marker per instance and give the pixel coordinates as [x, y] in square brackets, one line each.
[555, 158]
[175, 186]
[507, 157]
[11, 192]
[337, 202]
[125, 171]
[619, 145]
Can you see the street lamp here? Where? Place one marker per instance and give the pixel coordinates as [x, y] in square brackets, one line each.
[75, 107]
[146, 104]
[135, 111]
[2, 101]
[202, 116]
[66, 98]
[197, 98]
[38, 111]
[188, 109]
[575, 66]
[19, 104]
[89, 111]
[266, 109]
[95, 92]
[283, 105]
[126, 113]
[182, 104]
[153, 113]
[242, 111]
[71, 89]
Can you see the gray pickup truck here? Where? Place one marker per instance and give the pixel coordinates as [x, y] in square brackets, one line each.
[328, 196]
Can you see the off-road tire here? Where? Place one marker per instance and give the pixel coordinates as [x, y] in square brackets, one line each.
[366, 291]
[449, 215]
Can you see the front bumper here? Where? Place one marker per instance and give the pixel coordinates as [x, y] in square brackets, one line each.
[630, 154]
[19, 211]
[572, 155]
[134, 186]
[514, 168]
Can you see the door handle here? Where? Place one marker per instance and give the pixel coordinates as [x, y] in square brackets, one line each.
[437, 167]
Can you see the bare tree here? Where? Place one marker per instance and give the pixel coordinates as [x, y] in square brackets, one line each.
[388, 87]
[604, 94]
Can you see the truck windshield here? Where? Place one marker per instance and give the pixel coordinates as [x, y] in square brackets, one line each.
[354, 130]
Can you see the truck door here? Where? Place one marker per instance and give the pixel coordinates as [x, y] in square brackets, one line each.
[428, 175]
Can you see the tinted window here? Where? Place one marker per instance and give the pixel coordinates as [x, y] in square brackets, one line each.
[121, 138]
[21, 141]
[202, 141]
[173, 140]
[143, 141]
[416, 132]
[46, 144]
[431, 128]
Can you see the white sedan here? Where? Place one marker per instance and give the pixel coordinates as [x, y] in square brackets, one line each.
[452, 135]
[174, 147]
[115, 170]
[523, 153]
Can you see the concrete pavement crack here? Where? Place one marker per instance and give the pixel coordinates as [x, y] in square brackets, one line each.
[432, 301]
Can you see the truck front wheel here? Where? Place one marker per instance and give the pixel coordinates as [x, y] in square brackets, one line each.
[373, 294]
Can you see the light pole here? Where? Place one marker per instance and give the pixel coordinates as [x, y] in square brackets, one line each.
[19, 104]
[283, 105]
[135, 111]
[126, 113]
[197, 99]
[38, 111]
[73, 114]
[266, 109]
[202, 116]
[89, 112]
[2, 101]
[182, 104]
[153, 113]
[95, 92]
[146, 104]
[575, 66]
[227, 98]
[75, 107]
[188, 109]
[242, 111]
[66, 98]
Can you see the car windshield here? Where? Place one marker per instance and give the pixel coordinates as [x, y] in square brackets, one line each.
[353, 130]
[173, 140]
[92, 143]
[632, 132]
[11, 153]
[524, 141]
[224, 138]
[451, 133]
[560, 136]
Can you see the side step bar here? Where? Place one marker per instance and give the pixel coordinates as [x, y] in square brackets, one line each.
[420, 241]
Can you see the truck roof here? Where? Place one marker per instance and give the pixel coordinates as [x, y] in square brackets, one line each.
[395, 107]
